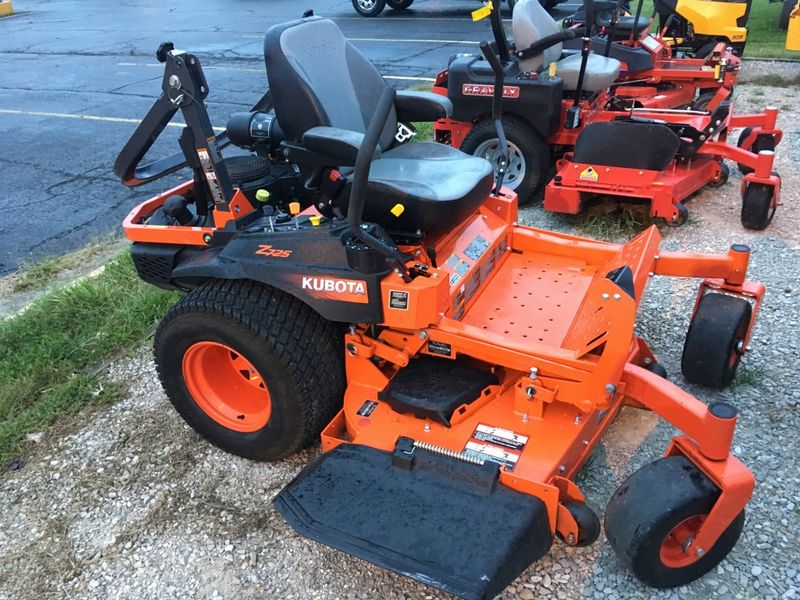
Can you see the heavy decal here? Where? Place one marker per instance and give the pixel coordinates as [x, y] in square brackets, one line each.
[333, 288]
[478, 89]
[267, 250]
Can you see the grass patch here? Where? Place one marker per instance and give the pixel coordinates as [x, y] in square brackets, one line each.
[49, 353]
[747, 375]
[612, 220]
[775, 80]
[424, 132]
[37, 275]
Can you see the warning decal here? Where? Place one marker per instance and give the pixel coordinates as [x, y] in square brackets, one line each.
[495, 444]
[500, 437]
[588, 174]
[367, 408]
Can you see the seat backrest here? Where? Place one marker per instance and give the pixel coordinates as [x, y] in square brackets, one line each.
[530, 23]
[318, 78]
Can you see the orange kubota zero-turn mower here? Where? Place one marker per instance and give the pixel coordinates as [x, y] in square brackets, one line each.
[459, 368]
[570, 112]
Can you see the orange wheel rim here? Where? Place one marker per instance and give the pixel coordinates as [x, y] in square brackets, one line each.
[676, 549]
[226, 386]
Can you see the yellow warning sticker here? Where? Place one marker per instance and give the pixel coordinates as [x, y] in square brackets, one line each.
[588, 174]
[482, 12]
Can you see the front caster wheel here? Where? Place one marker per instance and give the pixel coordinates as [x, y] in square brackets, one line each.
[653, 518]
[251, 369]
[757, 206]
[588, 524]
[761, 142]
[715, 341]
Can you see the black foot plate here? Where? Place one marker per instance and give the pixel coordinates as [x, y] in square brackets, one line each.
[441, 521]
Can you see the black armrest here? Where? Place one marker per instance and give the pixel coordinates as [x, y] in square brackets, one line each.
[341, 144]
[548, 41]
[422, 106]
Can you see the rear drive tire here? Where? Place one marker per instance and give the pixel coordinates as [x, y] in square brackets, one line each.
[701, 102]
[253, 370]
[714, 343]
[369, 8]
[757, 209]
[762, 142]
[529, 154]
[651, 516]
[399, 4]
[786, 13]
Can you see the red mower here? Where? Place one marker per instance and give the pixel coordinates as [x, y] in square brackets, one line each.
[566, 110]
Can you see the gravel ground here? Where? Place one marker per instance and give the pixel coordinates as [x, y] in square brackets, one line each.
[127, 502]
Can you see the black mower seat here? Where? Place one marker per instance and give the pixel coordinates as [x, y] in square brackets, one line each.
[319, 80]
[532, 23]
[437, 186]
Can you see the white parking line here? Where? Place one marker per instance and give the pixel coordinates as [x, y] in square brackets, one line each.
[82, 117]
[251, 70]
[391, 40]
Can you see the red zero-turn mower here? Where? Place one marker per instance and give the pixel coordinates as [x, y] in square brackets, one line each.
[458, 367]
[604, 145]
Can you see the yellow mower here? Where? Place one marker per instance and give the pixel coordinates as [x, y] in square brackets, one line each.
[790, 22]
[697, 26]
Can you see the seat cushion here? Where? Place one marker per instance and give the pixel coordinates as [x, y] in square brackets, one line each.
[437, 185]
[601, 72]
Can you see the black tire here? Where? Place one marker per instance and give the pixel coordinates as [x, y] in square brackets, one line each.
[712, 350]
[657, 368]
[683, 216]
[369, 8]
[298, 354]
[588, 523]
[647, 507]
[399, 4]
[532, 146]
[757, 209]
[510, 4]
[722, 179]
[701, 102]
[762, 142]
[786, 12]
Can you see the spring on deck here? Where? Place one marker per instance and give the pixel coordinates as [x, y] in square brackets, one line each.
[448, 453]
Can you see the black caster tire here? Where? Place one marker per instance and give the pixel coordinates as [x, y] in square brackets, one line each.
[588, 523]
[529, 154]
[657, 368]
[399, 4]
[253, 370]
[701, 102]
[650, 519]
[369, 8]
[715, 341]
[762, 142]
[786, 13]
[757, 208]
[722, 179]
[683, 216]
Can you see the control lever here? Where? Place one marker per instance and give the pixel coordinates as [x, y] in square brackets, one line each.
[497, 113]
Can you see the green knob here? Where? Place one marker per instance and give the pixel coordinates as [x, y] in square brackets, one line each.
[262, 195]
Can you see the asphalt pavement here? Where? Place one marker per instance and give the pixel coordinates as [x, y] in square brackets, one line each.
[76, 76]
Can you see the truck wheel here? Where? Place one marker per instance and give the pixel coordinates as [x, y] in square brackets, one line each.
[762, 142]
[399, 4]
[653, 517]
[528, 154]
[786, 13]
[251, 369]
[369, 8]
[757, 208]
[715, 341]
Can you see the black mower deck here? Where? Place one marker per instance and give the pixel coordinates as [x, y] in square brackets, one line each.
[442, 521]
